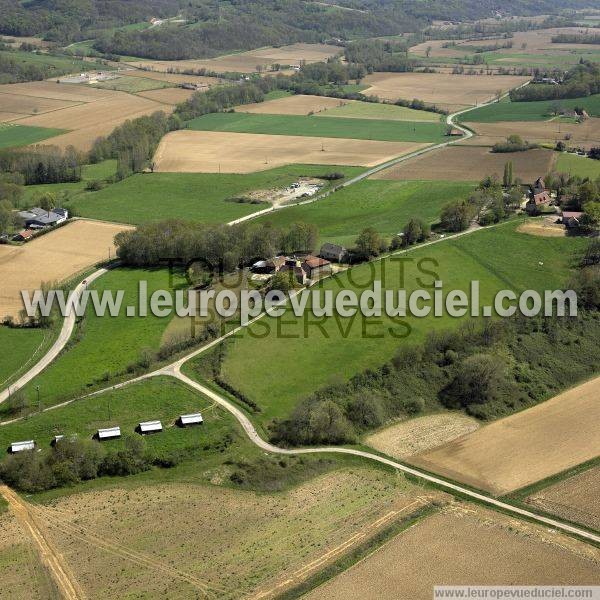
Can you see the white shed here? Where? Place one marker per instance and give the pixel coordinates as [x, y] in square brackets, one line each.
[150, 427]
[17, 447]
[110, 433]
[193, 419]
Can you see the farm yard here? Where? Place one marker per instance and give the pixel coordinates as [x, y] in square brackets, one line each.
[526, 447]
[574, 498]
[445, 90]
[475, 162]
[521, 553]
[55, 256]
[202, 151]
[247, 62]
[205, 197]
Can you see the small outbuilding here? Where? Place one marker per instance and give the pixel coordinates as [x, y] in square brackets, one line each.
[17, 447]
[315, 267]
[571, 219]
[147, 427]
[333, 252]
[189, 420]
[110, 433]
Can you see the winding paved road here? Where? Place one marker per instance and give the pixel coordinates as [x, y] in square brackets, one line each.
[61, 341]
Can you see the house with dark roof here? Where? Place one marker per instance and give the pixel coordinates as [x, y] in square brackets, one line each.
[333, 252]
[571, 219]
[38, 218]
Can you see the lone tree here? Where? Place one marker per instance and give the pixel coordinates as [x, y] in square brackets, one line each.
[456, 216]
[47, 202]
[507, 179]
[416, 230]
[368, 243]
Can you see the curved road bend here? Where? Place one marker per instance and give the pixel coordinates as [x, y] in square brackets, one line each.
[63, 337]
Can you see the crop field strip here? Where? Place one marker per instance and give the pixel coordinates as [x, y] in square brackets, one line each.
[322, 126]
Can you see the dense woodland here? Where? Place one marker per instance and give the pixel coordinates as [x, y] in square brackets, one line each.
[212, 26]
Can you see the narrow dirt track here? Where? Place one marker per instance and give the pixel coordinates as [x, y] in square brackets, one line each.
[49, 555]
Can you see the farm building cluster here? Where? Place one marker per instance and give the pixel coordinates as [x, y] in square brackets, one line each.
[306, 268]
[114, 433]
[37, 219]
[541, 200]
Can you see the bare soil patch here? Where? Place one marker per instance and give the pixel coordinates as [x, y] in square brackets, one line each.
[420, 434]
[471, 163]
[292, 105]
[228, 542]
[526, 447]
[23, 576]
[53, 257]
[214, 151]
[247, 62]
[575, 499]
[445, 90]
[543, 228]
[465, 546]
[168, 95]
[583, 134]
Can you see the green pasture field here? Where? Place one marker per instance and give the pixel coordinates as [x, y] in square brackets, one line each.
[132, 85]
[336, 127]
[59, 65]
[384, 205]
[191, 196]
[161, 399]
[377, 110]
[277, 362]
[529, 111]
[14, 136]
[104, 346]
[99, 171]
[19, 347]
[577, 165]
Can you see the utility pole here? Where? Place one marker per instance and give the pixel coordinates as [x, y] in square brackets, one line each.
[37, 389]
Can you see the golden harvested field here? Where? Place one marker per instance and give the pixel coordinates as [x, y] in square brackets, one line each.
[537, 42]
[168, 95]
[54, 256]
[582, 134]
[445, 90]
[5, 117]
[59, 91]
[292, 105]
[187, 151]
[93, 119]
[22, 575]
[526, 447]
[463, 545]
[575, 499]
[247, 62]
[228, 542]
[175, 77]
[30, 105]
[472, 163]
[420, 434]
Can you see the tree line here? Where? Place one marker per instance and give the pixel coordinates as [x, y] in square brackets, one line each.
[218, 248]
[581, 81]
